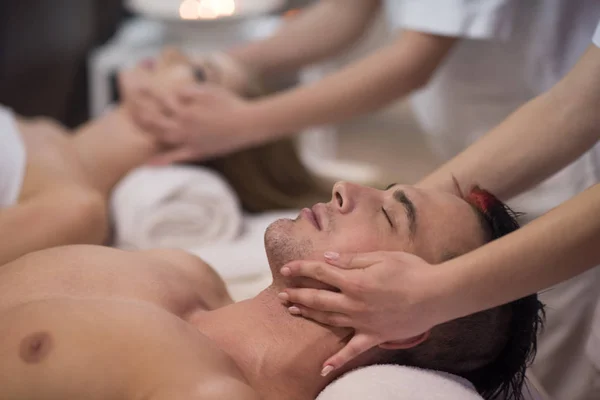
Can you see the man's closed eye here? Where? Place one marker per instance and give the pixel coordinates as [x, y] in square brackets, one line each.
[387, 216]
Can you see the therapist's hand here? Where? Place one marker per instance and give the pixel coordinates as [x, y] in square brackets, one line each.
[144, 87]
[387, 297]
[205, 121]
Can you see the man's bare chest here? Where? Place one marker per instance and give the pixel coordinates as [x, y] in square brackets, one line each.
[99, 276]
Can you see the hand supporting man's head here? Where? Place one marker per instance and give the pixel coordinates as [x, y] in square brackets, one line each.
[491, 348]
[433, 225]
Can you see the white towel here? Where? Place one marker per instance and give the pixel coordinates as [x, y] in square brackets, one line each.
[394, 382]
[174, 206]
[12, 159]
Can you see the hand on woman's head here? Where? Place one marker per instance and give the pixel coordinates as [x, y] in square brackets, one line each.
[216, 68]
[147, 88]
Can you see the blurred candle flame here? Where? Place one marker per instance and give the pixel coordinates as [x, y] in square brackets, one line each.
[206, 9]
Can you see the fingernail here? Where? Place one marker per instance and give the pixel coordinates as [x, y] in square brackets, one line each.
[331, 255]
[283, 296]
[294, 310]
[325, 371]
[285, 271]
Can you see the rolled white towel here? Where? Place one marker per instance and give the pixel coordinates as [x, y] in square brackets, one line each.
[174, 206]
[395, 382]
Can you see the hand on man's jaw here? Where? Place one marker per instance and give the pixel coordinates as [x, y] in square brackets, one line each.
[490, 348]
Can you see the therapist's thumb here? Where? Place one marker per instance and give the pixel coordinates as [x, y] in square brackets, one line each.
[359, 344]
[352, 260]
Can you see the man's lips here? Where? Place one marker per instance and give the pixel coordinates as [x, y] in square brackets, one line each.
[311, 217]
[317, 210]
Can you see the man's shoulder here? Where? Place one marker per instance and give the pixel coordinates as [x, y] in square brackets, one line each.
[217, 388]
[230, 389]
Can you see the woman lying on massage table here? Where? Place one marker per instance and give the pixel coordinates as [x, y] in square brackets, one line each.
[98, 323]
[54, 186]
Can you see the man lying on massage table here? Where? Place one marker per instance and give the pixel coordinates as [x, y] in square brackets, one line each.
[97, 323]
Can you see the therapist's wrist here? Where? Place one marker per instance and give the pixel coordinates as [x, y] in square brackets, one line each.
[435, 182]
[443, 292]
[261, 122]
[462, 288]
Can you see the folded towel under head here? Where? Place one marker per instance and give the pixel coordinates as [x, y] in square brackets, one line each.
[395, 382]
[174, 206]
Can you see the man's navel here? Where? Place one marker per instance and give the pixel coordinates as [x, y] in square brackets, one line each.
[35, 347]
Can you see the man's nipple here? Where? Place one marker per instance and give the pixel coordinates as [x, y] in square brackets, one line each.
[35, 347]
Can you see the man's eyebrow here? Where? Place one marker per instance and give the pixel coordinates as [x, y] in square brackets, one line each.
[409, 207]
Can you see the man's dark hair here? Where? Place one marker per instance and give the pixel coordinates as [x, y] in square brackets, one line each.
[491, 348]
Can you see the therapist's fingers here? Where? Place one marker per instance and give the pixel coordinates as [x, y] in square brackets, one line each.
[174, 156]
[202, 92]
[171, 104]
[190, 93]
[145, 112]
[325, 318]
[353, 260]
[320, 300]
[317, 270]
[151, 119]
[359, 344]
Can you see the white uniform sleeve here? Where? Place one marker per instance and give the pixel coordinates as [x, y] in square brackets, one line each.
[596, 38]
[474, 19]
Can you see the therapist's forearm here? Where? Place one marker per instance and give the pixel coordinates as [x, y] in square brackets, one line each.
[536, 141]
[362, 87]
[321, 30]
[555, 247]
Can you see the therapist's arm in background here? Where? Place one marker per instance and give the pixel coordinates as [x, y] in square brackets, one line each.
[319, 31]
[322, 30]
[208, 120]
[537, 140]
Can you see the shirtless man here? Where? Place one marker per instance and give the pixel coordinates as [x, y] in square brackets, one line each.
[87, 322]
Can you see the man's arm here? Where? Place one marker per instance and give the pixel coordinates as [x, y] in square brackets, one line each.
[536, 141]
[323, 29]
[364, 86]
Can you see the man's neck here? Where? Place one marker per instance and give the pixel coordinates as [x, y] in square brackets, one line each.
[280, 355]
[111, 146]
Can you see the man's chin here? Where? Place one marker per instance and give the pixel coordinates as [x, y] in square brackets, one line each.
[279, 228]
[283, 246]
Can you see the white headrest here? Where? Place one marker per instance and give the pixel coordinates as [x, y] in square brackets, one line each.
[394, 382]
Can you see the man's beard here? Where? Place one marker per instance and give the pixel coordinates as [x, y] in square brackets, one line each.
[282, 246]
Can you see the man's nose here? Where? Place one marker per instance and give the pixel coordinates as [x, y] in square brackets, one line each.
[345, 196]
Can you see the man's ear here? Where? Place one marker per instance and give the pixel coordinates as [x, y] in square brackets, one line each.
[405, 344]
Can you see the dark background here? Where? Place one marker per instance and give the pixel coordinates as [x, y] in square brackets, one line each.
[44, 46]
